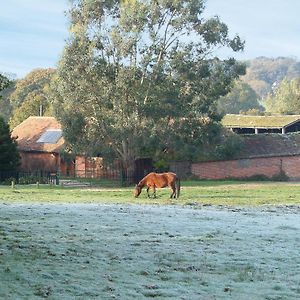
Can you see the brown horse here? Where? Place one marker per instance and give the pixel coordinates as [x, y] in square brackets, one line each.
[159, 180]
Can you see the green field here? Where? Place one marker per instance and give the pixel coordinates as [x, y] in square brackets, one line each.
[219, 240]
[229, 193]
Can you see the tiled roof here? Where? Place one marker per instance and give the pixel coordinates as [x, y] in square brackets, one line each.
[268, 145]
[30, 130]
[245, 121]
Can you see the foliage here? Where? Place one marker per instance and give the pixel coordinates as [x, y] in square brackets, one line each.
[66, 156]
[161, 165]
[138, 77]
[9, 156]
[241, 99]
[30, 94]
[5, 86]
[32, 179]
[281, 176]
[254, 112]
[230, 145]
[263, 73]
[4, 82]
[285, 99]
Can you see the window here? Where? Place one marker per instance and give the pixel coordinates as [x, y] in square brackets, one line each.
[50, 136]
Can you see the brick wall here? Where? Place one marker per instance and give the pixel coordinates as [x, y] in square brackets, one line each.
[42, 161]
[248, 167]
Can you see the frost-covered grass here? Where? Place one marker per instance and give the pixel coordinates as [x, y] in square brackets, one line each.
[196, 192]
[98, 251]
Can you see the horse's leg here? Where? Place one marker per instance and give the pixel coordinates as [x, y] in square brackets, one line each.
[154, 191]
[173, 191]
[148, 191]
[177, 187]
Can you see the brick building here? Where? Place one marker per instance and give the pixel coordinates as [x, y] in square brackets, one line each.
[262, 154]
[41, 145]
[39, 142]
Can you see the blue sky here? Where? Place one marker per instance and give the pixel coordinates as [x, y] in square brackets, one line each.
[270, 27]
[33, 32]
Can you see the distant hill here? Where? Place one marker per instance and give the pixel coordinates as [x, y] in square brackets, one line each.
[265, 73]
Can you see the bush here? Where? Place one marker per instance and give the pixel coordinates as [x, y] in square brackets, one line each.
[161, 166]
[281, 176]
[229, 146]
[7, 181]
[32, 179]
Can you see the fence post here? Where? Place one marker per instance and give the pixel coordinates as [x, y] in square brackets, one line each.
[122, 177]
[57, 178]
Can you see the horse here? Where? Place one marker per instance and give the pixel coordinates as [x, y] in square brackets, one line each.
[159, 180]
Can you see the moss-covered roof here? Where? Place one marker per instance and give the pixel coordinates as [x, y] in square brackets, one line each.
[268, 145]
[244, 121]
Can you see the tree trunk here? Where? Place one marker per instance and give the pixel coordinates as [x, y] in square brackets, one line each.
[128, 163]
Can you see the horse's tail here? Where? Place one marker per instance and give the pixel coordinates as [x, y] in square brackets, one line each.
[177, 185]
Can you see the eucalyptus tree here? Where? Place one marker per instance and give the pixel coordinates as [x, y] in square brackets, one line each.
[285, 99]
[140, 75]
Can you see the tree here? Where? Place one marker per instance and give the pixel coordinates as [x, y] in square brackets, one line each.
[4, 82]
[285, 99]
[240, 99]
[5, 107]
[9, 156]
[30, 94]
[138, 77]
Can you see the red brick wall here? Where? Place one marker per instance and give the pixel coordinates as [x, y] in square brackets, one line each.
[31, 161]
[80, 169]
[248, 167]
[89, 167]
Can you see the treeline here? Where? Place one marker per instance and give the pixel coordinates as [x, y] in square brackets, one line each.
[269, 86]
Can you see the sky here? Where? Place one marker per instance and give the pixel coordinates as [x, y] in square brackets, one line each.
[33, 32]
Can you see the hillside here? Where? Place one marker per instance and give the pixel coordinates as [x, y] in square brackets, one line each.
[264, 73]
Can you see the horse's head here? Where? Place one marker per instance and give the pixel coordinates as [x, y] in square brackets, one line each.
[137, 191]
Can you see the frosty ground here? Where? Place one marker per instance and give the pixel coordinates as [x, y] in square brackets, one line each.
[96, 251]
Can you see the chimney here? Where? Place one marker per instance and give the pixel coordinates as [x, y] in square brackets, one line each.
[41, 110]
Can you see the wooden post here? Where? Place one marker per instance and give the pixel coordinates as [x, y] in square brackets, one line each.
[12, 184]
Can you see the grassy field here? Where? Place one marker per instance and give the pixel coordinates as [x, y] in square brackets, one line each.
[219, 240]
[229, 193]
[96, 251]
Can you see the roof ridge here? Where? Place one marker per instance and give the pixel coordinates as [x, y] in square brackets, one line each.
[35, 117]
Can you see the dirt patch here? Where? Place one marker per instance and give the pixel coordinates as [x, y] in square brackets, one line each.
[139, 252]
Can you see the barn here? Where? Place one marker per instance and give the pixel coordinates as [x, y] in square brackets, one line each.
[42, 148]
[270, 148]
[244, 124]
[40, 143]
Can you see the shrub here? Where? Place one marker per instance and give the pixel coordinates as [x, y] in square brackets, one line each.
[281, 176]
